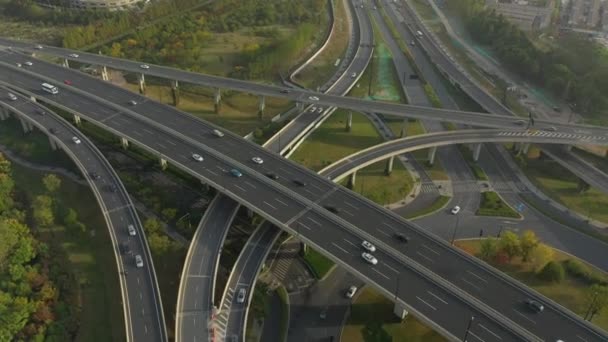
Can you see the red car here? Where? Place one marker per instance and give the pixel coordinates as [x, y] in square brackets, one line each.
[68, 82]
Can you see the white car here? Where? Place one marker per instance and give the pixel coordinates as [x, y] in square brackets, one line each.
[369, 258]
[353, 75]
[241, 295]
[218, 133]
[38, 47]
[12, 96]
[28, 63]
[197, 157]
[76, 140]
[351, 292]
[313, 98]
[139, 262]
[368, 246]
[144, 66]
[74, 55]
[312, 109]
[320, 110]
[257, 160]
[133, 103]
[18, 65]
[455, 210]
[131, 230]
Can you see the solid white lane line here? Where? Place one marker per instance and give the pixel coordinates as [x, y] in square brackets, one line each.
[392, 269]
[468, 282]
[350, 243]
[243, 190]
[524, 316]
[429, 305]
[350, 205]
[305, 226]
[476, 276]
[340, 248]
[270, 205]
[477, 337]
[426, 257]
[347, 212]
[283, 203]
[430, 249]
[380, 273]
[437, 297]
[489, 331]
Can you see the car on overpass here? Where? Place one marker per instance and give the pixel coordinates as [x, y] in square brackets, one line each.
[197, 157]
[236, 173]
[369, 258]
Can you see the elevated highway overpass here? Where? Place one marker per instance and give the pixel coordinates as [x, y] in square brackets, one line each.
[142, 306]
[174, 135]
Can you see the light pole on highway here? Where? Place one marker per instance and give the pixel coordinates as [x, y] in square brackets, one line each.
[455, 230]
[466, 333]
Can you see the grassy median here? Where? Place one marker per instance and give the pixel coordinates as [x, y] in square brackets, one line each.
[493, 205]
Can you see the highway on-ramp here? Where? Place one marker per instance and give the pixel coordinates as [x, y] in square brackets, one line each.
[300, 208]
[144, 319]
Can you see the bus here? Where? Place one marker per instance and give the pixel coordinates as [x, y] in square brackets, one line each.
[49, 88]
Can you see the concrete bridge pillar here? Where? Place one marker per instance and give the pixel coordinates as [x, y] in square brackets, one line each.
[526, 148]
[300, 106]
[476, 151]
[142, 84]
[26, 125]
[217, 99]
[33, 99]
[403, 133]
[66, 63]
[249, 213]
[432, 152]
[351, 180]
[568, 148]
[163, 163]
[175, 92]
[389, 165]
[104, 73]
[53, 143]
[76, 119]
[400, 311]
[124, 142]
[349, 121]
[4, 113]
[261, 106]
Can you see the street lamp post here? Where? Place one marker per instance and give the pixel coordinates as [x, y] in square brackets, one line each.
[466, 333]
[455, 230]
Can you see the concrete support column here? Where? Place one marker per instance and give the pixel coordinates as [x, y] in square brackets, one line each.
[351, 180]
[568, 147]
[53, 143]
[261, 106]
[349, 121]
[476, 151]
[142, 84]
[76, 119]
[400, 311]
[403, 133]
[389, 166]
[526, 148]
[4, 113]
[175, 92]
[217, 99]
[300, 105]
[66, 63]
[432, 152]
[33, 99]
[104, 73]
[163, 163]
[249, 213]
[124, 142]
[27, 127]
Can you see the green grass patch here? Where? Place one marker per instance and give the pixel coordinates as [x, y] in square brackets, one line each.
[570, 292]
[432, 96]
[493, 205]
[563, 186]
[373, 183]
[412, 127]
[44, 34]
[90, 254]
[319, 264]
[439, 203]
[435, 171]
[331, 142]
[477, 171]
[372, 319]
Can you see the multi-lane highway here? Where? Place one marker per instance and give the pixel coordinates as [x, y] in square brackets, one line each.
[361, 159]
[299, 95]
[144, 319]
[175, 136]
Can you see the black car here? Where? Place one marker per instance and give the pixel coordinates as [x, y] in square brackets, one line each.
[299, 182]
[332, 209]
[534, 305]
[413, 77]
[402, 238]
[112, 188]
[272, 175]
[95, 175]
[284, 91]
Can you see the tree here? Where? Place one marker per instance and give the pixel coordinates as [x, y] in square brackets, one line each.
[528, 242]
[51, 182]
[541, 255]
[152, 226]
[509, 244]
[71, 218]
[159, 244]
[553, 272]
[596, 300]
[42, 211]
[488, 249]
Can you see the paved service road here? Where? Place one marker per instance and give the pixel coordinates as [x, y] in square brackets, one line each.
[299, 95]
[300, 209]
[142, 305]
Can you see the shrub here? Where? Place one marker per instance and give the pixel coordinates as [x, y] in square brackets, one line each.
[582, 272]
[553, 272]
